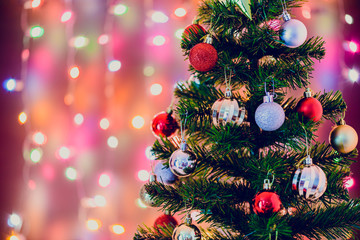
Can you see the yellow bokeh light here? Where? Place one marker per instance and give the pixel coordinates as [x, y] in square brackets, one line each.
[149, 71]
[14, 237]
[74, 72]
[180, 12]
[156, 89]
[104, 123]
[39, 138]
[104, 180]
[93, 224]
[138, 122]
[117, 229]
[22, 118]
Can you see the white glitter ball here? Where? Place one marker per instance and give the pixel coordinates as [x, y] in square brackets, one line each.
[269, 116]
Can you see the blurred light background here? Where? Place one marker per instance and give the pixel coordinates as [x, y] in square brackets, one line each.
[82, 79]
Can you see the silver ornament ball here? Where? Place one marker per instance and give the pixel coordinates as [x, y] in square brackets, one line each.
[182, 162]
[227, 110]
[293, 33]
[269, 116]
[309, 181]
[164, 174]
[146, 197]
[186, 231]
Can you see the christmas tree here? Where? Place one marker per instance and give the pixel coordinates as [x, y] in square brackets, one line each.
[248, 160]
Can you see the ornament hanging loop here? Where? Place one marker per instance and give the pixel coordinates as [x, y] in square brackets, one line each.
[267, 183]
[270, 95]
[228, 93]
[182, 128]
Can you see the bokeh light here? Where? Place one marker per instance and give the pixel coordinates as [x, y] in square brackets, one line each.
[71, 173]
[74, 72]
[93, 224]
[22, 118]
[353, 46]
[179, 33]
[79, 42]
[36, 32]
[104, 180]
[78, 119]
[138, 122]
[100, 201]
[103, 39]
[117, 229]
[159, 40]
[35, 3]
[114, 65]
[36, 155]
[39, 138]
[10, 85]
[149, 71]
[156, 89]
[349, 182]
[143, 175]
[149, 153]
[120, 9]
[180, 12]
[140, 204]
[353, 75]
[14, 237]
[104, 123]
[66, 16]
[349, 19]
[159, 17]
[14, 221]
[112, 142]
[64, 152]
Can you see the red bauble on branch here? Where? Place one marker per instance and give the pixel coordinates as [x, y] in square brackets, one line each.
[193, 29]
[165, 219]
[203, 56]
[310, 108]
[266, 202]
[164, 124]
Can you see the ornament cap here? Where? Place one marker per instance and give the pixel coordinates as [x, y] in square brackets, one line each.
[286, 16]
[183, 145]
[169, 110]
[341, 122]
[228, 93]
[167, 212]
[308, 161]
[152, 177]
[307, 93]
[188, 219]
[268, 98]
[209, 39]
[267, 184]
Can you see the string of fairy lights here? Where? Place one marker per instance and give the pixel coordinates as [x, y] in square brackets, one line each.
[36, 141]
[35, 145]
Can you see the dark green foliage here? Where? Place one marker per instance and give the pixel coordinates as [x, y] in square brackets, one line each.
[233, 161]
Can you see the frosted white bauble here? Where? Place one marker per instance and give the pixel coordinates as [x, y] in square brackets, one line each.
[269, 116]
[293, 33]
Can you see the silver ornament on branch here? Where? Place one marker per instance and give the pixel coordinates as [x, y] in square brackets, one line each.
[293, 31]
[309, 180]
[269, 115]
[227, 110]
[186, 231]
[145, 197]
[182, 162]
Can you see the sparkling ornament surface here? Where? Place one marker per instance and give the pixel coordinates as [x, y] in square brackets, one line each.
[164, 219]
[343, 138]
[182, 162]
[193, 30]
[203, 57]
[164, 174]
[186, 232]
[146, 197]
[226, 110]
[266, 203]
[309, 181]
[310, 108]
[269, 116]
[293, 33]
[163, 124]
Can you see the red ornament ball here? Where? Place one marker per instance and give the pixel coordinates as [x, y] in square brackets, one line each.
[310, 108]
[203, 57]
[165, 220]
[193, 29]
[266, 203]
[164, 125]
